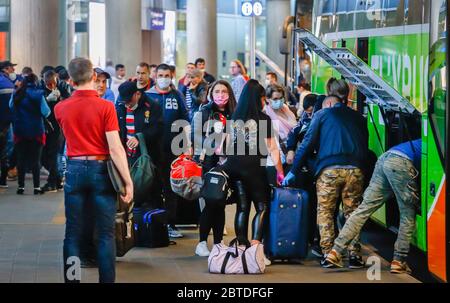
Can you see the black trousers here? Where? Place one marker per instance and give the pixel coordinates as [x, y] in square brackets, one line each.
[3, 155]
[29, 157]
[170, 198]
[50, 156]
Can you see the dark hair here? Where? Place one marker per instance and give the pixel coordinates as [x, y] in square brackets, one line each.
[81, 70]
[249, 104]
[275, 88]
[27, 70]
[59, 68]
[309, 100]
[119, 66]
[319, 103]
[144, 64]
[273, 75]
[305, 85]
[163, 66]
[231, 106]
[199, 60]
[46, 69]
[51, 74]
[20, 93]
[153, 66]
[173, 68]
[63, 75]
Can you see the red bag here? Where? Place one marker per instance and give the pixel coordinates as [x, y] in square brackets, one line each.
[186, 178]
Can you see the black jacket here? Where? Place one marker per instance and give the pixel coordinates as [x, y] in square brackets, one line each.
[148, 120]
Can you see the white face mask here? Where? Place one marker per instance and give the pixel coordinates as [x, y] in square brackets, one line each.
[163, 83]
[13, 76]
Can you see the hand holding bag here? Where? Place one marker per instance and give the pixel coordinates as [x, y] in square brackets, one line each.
[116, 178]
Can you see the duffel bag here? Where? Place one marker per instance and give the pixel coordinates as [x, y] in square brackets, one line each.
[235, 259]
[186, 178]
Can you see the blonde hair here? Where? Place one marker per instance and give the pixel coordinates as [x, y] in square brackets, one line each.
[241, 67]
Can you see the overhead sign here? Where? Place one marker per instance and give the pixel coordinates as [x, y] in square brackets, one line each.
[156, 19]
[247, 8]
[257, 8]
[251, 8]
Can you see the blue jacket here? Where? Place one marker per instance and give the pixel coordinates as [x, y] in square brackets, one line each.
[109, 95]
[412, 150]
[30, 113]
[173, 108]
[6, 90]
[340, 136]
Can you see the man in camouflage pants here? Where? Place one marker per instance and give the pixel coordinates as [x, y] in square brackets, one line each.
[340, 136]
[335, 184]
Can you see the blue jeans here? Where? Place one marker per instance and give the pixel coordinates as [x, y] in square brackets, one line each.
[88, 186]
[393, 175]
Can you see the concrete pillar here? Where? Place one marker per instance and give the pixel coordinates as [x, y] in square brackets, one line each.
[277, 11]
[124, 32]
[201, 23]
[66, 35]
[34, 33]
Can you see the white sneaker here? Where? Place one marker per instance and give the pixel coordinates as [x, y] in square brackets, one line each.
[267, 261]
[173, 233]
[202, 249]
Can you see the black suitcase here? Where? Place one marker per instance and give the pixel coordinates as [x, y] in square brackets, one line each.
[150, 226]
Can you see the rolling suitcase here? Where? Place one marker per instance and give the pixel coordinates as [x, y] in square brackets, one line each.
[287, 235]
[150, 226]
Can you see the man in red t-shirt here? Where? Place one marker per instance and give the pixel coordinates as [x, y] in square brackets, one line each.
[91, 130]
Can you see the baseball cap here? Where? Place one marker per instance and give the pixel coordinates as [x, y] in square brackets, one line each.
[127, 90]
[5, 64]
[100, 71]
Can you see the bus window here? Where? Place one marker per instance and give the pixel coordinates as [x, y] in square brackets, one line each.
[325, 14]
[345, 11]
[417, 11]
[368, 14]
[394, 12]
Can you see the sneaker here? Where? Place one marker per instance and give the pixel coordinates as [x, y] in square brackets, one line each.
[335, 259]
[12, 174]
[38, 191]
[3, 185]
[317, 251]
[49, 188]
[88, 263]
[267, 262]
[202, 249]
[60, 187]
[356, 262]
[327, 264]
[398, 267]
[20, 191]
[174, 233]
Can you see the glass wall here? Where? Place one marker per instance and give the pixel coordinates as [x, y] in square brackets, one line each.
[233, 38]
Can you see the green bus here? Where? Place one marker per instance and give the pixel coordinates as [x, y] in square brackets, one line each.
[404, 44]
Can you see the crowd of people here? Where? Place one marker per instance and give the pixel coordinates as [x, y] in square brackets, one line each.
[73, 120]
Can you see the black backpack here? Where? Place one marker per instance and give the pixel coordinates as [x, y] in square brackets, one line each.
[216, 187]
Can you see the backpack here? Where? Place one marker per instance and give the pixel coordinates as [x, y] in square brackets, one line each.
[143, 171]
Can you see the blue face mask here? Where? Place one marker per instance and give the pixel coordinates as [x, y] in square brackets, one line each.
[276, 104]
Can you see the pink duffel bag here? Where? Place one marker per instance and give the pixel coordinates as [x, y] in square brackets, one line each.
[236, 259]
